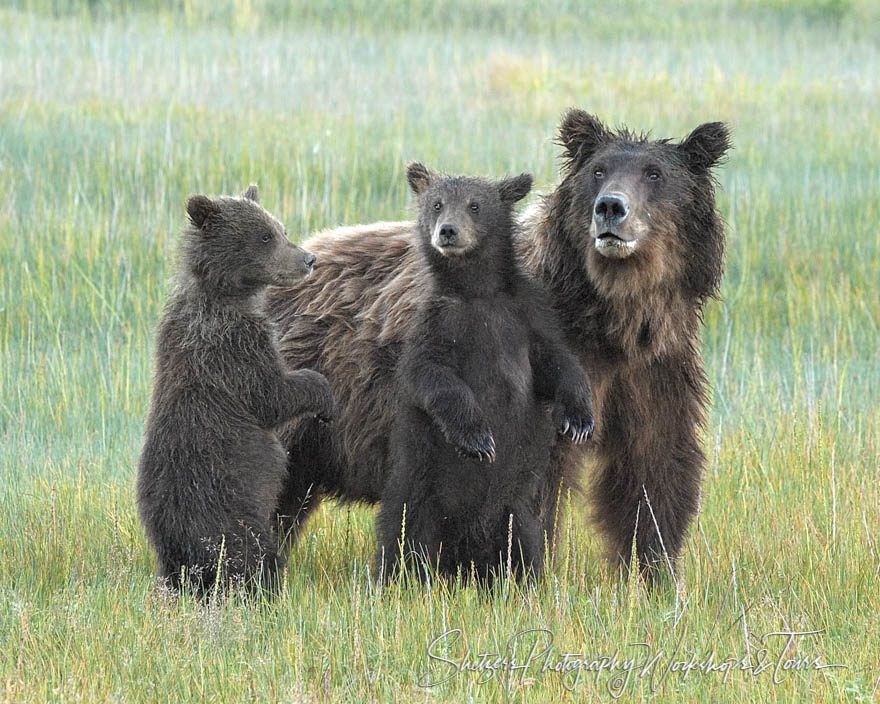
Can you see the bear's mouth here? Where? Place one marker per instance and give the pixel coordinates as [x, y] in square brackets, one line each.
[610, 245]
[291, 278]
[451, 250]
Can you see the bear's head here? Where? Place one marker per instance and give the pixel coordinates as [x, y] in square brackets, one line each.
[235, 248]
[643, 211]
[460, 215]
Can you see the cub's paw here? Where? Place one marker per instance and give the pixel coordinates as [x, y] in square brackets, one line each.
[325, 408]
[477, 443]
[576, 424]
[319, 404]
[326, 411]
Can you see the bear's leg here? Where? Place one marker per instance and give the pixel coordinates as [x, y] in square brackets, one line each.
[187, 564]
[566, 464]
[527, 553]
[410, 519]
[240, 549]
[522, 540]
[650, 498]
[249, 555]
[197, 568]
[310, 462]
[246, 545]
[415, 524]
[191, 548]
[648, 473]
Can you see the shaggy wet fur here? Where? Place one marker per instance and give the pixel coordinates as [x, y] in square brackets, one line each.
[634, 323]
[212, 468]
[486, 383]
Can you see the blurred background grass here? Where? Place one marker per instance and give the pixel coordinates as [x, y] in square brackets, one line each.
[112, 113]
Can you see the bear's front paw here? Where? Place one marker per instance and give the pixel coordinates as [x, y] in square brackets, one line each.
[574, 422]
[477, 443]
[318, 395]
[324, 419]
[325, 408]
[326, 411]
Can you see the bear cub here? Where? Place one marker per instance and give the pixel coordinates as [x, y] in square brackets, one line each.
[212, 468]
[486, 385]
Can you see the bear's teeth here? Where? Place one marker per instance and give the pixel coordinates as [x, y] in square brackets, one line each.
[613, 241]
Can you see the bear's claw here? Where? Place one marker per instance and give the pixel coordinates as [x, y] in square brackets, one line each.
[578, 431]
[479, 446]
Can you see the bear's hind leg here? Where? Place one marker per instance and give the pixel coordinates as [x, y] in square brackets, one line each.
[311, 464]
[651, 501]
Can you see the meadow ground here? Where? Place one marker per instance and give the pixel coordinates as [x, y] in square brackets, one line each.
[109, 118]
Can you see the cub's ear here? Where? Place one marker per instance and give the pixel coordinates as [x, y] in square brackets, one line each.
[252, 193]
[705, 146]
[419, 177]
[580, 135]
[513, 189]
[199, 208]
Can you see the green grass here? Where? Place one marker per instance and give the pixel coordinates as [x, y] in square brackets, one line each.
[110, 117]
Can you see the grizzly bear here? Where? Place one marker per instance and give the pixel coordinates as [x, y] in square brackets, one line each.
[484, 377]
[629, 248]
[212, 468]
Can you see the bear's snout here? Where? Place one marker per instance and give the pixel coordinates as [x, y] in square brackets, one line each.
[448, 235]
[610, 210]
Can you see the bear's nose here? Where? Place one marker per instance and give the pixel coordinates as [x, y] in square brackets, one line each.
[611, 209]
[448, 234]
[309, 259]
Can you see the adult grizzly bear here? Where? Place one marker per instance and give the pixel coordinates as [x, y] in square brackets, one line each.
[211, 468]
[485, 379]
[629, 247]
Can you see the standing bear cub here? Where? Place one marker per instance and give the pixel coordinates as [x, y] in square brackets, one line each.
[486, 384]
[629, 247]
[212, 469]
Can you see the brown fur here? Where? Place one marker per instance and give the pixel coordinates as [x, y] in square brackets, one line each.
[486, 383]
[634, 323]
[212, 468]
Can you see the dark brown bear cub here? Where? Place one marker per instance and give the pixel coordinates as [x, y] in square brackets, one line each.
[486, 384]
[211, 469]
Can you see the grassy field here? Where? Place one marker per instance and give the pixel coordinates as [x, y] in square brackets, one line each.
[109, 118]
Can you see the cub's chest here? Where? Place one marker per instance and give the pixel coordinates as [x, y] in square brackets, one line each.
[491, 347]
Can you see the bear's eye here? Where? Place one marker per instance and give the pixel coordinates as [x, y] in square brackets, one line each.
[599, 174]
[475, 207]
[266, 238]
[438, 205]
[652, 175]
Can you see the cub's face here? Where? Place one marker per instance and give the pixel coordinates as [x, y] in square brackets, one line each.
[458, 214]
[243, 245]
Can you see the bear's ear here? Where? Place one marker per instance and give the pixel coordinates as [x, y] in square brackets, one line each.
[705, 146]
[252, 193]
[419, 177]
[199, 208]
[580, 135]
[513, 189]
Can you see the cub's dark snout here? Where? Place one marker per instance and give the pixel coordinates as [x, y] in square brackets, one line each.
[448, 235]
[610, 210]
[309, 259]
